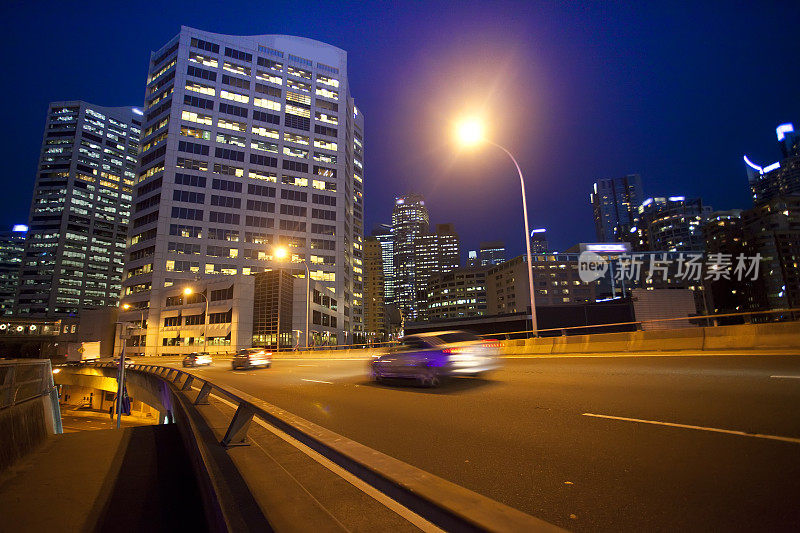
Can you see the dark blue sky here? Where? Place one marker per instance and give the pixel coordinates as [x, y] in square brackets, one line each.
[577, 90]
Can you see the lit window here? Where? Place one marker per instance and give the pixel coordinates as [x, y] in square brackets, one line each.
[265, 132]
[199, 88]
[196, 117]
[266, 103]
[295, 138]
[231, 125]
[236, 97]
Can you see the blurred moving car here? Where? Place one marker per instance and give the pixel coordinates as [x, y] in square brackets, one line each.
[252, 358]
[197, 359]
[128, 361]
[428, 358]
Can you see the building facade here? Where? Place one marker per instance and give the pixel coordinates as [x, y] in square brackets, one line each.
[374, 290]
[772, 229]
[81, 207]
[435, 253]
[781, 178]
[410, 222]
[12, 250]
[492, 253]
[249, 142]
[539, 241]
[614, 202]
[674, 223]
[383, 233]
[458, 293]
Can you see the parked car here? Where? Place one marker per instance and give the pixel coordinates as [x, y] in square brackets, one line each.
[429, 358]
[252, 358]
[197, 359]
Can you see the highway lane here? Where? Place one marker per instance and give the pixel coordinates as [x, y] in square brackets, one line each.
[523, 435]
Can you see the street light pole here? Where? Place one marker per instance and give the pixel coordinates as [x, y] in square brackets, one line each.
[534, 327]
[188, 292]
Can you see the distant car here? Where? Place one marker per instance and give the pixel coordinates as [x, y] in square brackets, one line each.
[252, 358]
[128, 361]
[197, 359]
[429, 358]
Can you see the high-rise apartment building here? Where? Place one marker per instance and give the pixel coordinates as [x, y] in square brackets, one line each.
[781, 178]
[383, 233]
[12, 249]
[249, 142]
[614, 202]
[374, 290]
[674, 223]
[78, 224]
[409, 223]
[492, 253]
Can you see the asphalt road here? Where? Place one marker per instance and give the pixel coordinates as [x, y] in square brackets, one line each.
[524, 435]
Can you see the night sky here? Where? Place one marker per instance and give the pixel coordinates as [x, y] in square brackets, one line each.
[578, 91]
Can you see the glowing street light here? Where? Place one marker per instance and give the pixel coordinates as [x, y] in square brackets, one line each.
[189, 291]
[470, 132]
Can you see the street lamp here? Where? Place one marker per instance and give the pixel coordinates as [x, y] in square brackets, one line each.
[471, 133]
[128, 307]
[281, 254]
[189, 291]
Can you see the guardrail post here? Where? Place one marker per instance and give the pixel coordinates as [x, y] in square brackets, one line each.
[177, 377]
[237, 430]
[202, 397]
[188, 383]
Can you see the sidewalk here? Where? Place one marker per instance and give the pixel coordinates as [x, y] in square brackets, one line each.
[133, 479]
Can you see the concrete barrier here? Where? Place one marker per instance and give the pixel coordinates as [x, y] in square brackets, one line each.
[779, 335]
[23, 427]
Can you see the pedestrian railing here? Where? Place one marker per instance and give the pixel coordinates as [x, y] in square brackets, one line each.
[24, 379]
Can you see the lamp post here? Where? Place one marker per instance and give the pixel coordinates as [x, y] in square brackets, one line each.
[189, 291]
[128, 307]
[470, 133]
[281, 254]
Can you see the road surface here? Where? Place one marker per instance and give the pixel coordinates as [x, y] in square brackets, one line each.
[588, 443]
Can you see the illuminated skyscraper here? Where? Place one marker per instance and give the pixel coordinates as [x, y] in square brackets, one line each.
[383, 233]
[409, 223]
[614, 202]
[436, 253]
[674, 224]
[539, 241]
[781, 178]
[81, 207]
[249, 142]
[12, 249]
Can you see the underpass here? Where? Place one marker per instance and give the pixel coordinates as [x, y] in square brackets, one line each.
[690, 441]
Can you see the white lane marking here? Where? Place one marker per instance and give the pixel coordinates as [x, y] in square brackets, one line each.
[307, 365]
[702, 428]
[386, 501]
[318, 381]
[785, 377]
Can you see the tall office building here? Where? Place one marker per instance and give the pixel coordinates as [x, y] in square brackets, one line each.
[614, 202]
[539, 241]
[12, 249]
[409, 223]
[781, 178]
[492, 253]
[74, 250]
[435, 253]
[374, 290]
[383, 233]
[249, 142]
[674, 223]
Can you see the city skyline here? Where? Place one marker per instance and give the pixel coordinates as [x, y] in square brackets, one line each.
[671, 152]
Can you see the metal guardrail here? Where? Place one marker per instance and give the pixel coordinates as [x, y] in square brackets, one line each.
[445, 504]
[24, 379]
